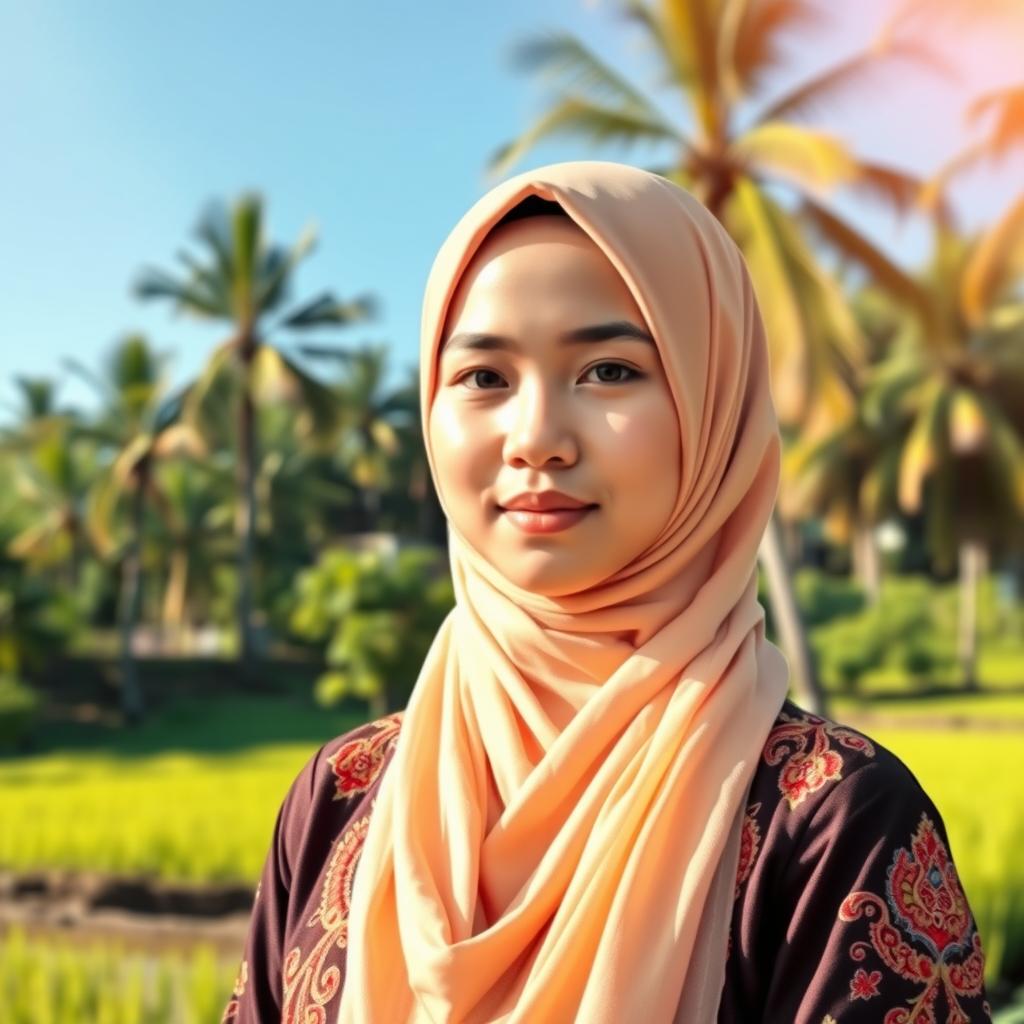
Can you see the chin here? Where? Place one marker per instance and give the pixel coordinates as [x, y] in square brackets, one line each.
[547, 582]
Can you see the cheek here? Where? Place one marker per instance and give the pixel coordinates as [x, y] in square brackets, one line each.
[464, 467]
[642, 448]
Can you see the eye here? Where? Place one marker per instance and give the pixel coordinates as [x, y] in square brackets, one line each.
[471, 374]
[633, 374]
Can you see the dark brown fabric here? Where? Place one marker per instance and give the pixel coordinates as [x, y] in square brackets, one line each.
[848, 908]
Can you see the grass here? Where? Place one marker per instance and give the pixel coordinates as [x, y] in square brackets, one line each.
[191, 795]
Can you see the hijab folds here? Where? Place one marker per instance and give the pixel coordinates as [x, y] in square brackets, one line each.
[557, 836]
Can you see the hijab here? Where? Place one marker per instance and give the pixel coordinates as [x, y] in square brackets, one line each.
[526, 867]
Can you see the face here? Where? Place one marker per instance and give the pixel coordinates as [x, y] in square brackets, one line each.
[527, 401]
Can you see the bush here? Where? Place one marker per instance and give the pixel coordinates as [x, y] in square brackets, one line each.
[19, 707]
[907, 633]
[376, 616]
[823, 598]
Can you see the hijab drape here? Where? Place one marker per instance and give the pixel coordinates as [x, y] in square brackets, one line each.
[529, 865]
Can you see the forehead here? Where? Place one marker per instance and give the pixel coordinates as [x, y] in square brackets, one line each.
[547, 259]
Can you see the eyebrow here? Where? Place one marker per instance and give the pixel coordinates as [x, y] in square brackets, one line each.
[596, 332]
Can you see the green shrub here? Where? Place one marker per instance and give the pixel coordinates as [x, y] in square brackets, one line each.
[19, 707]
[376, 616]
[823, 598]
[907, 635]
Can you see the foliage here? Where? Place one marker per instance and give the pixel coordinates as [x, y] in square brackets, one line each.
[19, 705]
[909, 637]
[38, 619]
[378, 615]
[823, 598]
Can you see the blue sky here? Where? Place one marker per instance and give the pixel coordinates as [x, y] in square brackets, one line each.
[120, 120]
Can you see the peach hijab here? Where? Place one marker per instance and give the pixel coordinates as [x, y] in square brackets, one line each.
[557, 836]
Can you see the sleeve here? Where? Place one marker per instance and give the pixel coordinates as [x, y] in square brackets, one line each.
[872, 923]
[256, 997]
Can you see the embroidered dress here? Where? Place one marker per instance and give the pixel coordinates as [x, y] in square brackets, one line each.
[847, 907]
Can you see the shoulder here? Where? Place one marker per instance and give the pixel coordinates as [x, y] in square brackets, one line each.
[818, 782]
[337, 782]
[808, 761]
[350, 764]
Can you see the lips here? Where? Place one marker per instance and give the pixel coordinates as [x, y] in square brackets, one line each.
[532, 521]
[544, 501]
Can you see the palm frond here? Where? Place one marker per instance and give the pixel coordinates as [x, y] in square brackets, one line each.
[810, 158]
[996, 263]
[855, 246]
[580, 118]
[853, 76]
[563, 59]
[325, 309]
[749, 38]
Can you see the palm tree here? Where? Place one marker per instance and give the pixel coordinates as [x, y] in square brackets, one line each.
[956, 377]
[140, 424]
[242, 281]
[715, 57]
[846, 474]
[190, 532]
[53, 467]
[371, 418]
[38, 403]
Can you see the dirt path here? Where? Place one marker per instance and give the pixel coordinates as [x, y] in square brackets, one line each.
[142, 915]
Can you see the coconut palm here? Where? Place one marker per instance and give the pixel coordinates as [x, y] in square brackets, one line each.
[957, 375]
[192, 533]
[846, 474]
[139, 425]
[731, 149]
[241, 281]
[371, 418]
[38, 404]
[52, 467]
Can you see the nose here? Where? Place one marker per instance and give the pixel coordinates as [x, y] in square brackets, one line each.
[540, 427]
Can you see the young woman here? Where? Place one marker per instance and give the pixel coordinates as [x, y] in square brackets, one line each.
[599, 805]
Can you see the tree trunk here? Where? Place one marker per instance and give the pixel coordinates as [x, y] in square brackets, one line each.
[867, 568]
[371, 508]
[972, 565]
[176, 591]
[792, 633]
[246, 515]
[131, 593]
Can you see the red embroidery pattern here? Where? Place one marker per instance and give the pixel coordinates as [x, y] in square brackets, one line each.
[864, 985]
[928, 904]
[810, 759]
[750, 846]
[311, 984]
[357, 763]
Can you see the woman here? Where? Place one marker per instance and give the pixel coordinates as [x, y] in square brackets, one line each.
[599, 805]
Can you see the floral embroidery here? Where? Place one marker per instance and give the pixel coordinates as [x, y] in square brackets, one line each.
[864, 985]
[807, 770]
[237, 992]
[927, 903]
[358, 762]
[750, 845]
[310, 985]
